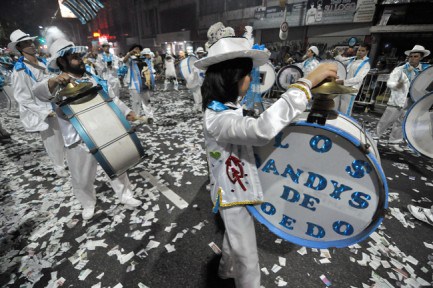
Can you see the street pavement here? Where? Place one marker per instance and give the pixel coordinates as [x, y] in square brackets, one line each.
[45, 242]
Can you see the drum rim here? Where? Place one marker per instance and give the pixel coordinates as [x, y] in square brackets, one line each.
[376, 219]
[334, 60]
[283, 68]
[275, 75]
[411, 146]
[413, 82]
[187, 63]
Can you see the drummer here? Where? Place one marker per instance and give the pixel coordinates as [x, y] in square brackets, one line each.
[170, 72]
[357, 68]
[399, 82]
[229, 138]
[194, 81]
[68, 58]
[311, 61]
[36, 115]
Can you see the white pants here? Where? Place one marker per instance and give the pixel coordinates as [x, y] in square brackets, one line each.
[240, 259]
[175, 84]
[82, 166]
[392, 116]
[344, 103]
[53, 143]
[141, 101]
[198, 100]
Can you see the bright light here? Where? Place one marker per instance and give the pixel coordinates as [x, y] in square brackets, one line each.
[96, 34]
[41, 27]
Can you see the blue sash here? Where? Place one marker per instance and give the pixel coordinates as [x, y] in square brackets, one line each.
[360, 66]
[135, 76]
[20, 65]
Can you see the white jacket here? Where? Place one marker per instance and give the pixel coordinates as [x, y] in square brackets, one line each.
[227, 133]
[32, 110]
[352, 65]
[70, 135]
[400, 75]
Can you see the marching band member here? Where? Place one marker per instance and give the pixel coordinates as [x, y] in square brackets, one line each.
[399, 82]
[36, 115]
[140, 96]
[311, 61]
[107, 65]
[229, 137]
[357, 68]
[68, 58]
[170, 72]
[195, 80]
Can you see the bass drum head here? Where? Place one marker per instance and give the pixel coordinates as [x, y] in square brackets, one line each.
[341, 69]
[288, 75]
[267, 77]
[418, 126]
[185, 66]
[422, 84]
[321, 190]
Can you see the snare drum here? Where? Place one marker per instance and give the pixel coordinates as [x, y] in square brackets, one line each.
[185, 66]
[341, 69]
[422, 84]
[267, 77]
[418, 126]
[105, 131]
[321, 189]
[288, 75]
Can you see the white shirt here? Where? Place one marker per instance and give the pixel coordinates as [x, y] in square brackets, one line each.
[352, 65]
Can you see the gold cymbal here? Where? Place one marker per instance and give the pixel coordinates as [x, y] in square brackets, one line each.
[72, 90]
[333, 88]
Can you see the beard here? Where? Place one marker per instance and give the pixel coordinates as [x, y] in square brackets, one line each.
[78, 69]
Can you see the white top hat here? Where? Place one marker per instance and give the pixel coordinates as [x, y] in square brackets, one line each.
[315, 50]
[230, 48]
[146, 51]
[199, 50]
[18, 36]
[59, 48]
[419, 49]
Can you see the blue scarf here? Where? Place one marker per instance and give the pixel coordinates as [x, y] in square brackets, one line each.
[217, 106]
[20, 65]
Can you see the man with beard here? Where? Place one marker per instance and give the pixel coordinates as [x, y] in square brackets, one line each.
[35, 115]
[68, 58]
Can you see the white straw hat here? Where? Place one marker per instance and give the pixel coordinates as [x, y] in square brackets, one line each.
[199, 50]
[418, 49]
[230, 48]
[315, 50]
[18, 36]
[146, 51]
[59, 48]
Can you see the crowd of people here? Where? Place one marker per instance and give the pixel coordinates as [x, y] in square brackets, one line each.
[37, 83]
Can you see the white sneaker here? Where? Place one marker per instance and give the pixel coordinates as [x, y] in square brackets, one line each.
[131, 202]
[422, 214]
[88, 213]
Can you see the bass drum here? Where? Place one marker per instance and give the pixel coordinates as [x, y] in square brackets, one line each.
[288, 75]
[322, 189]
[341, 69]
[105, 131]
[267, 77]
[422, 84]
[418, 126]
[186, 65]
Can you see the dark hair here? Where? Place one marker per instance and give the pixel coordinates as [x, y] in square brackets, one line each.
[365, 45]
[60, 64]
[135, 45]
[221, 80]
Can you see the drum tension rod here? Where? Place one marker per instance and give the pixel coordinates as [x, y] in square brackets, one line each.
[364, 146]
